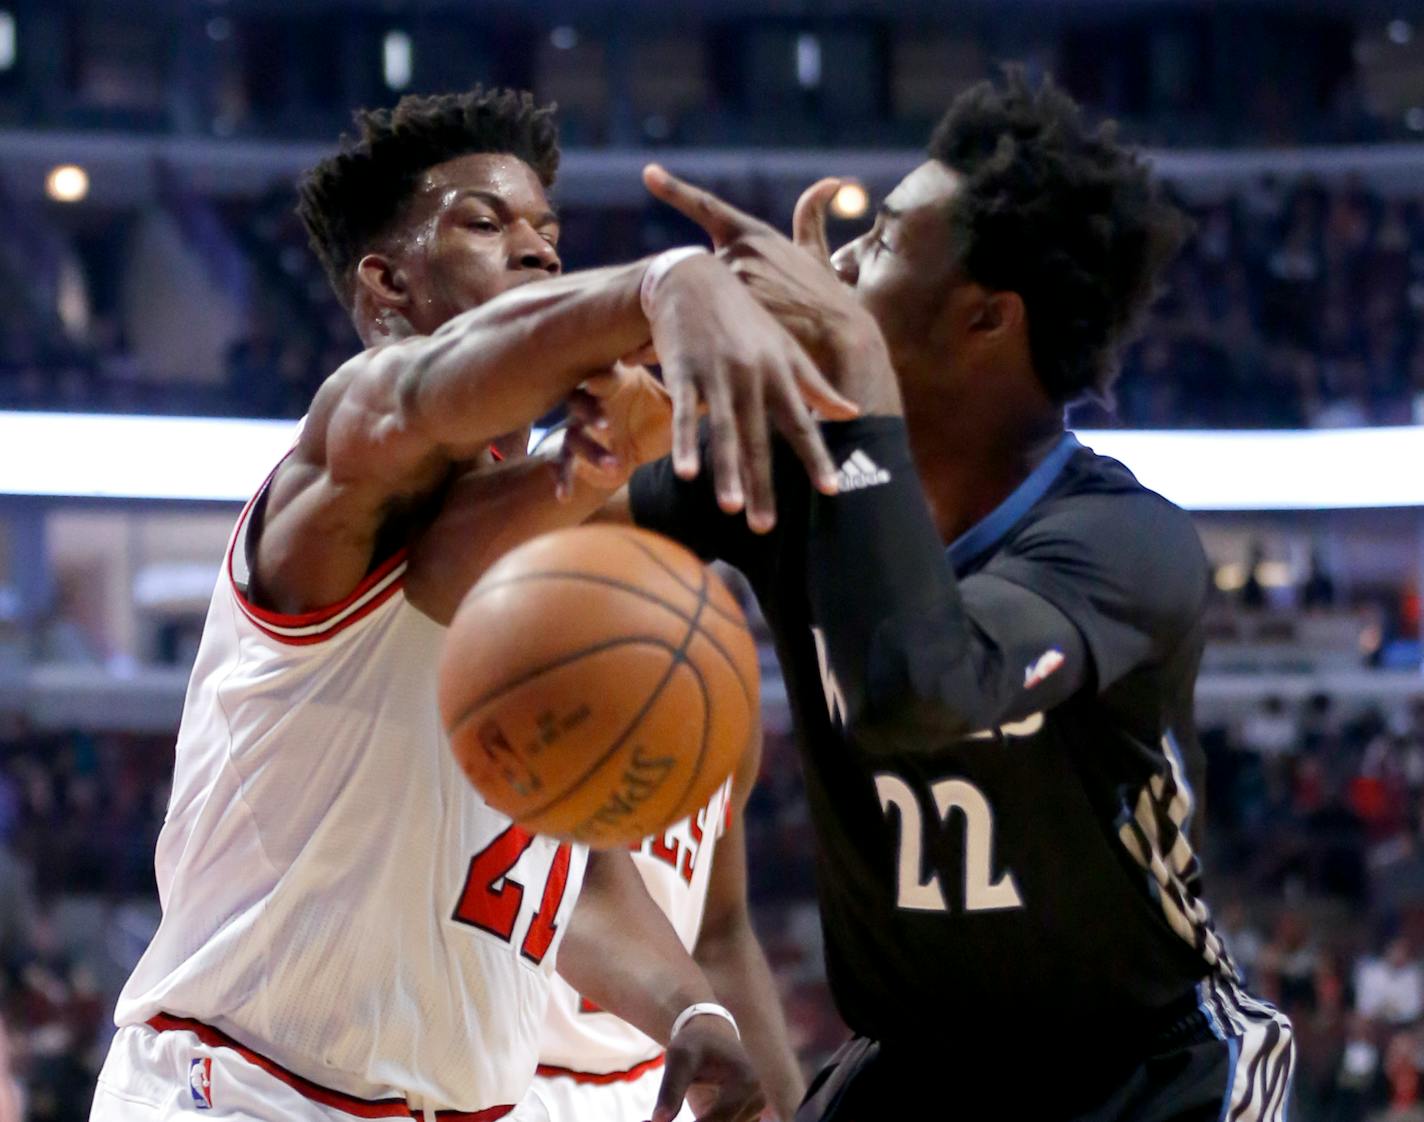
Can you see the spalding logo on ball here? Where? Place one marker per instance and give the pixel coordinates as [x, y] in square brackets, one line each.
[599, 684]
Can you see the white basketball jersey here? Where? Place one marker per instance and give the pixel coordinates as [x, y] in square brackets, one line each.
[676, 865]
[335, 895]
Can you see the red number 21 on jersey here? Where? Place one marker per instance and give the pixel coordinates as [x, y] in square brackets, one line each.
[491, 898]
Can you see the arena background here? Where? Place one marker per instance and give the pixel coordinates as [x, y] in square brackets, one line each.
[151, 267]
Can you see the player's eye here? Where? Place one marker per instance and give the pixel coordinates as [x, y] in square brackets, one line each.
[484, 225]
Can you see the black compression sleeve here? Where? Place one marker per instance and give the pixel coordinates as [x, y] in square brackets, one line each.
[907, 641]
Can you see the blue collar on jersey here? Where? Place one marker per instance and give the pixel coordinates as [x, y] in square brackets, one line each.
[990, 530]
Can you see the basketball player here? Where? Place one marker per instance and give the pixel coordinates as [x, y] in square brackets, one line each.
[348, 930]
[991, 637]
[593, 1066]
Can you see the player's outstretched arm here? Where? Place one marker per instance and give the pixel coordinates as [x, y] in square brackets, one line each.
[1087, 594]
[385, 430]
[621, 952]
[731, 957]
[623, 419]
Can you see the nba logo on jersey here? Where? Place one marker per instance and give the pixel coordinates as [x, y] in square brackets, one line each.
[200, 1082]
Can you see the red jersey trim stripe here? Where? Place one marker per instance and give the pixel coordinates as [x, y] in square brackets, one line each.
[637, 1071]
[350, 1104]
[304, 628]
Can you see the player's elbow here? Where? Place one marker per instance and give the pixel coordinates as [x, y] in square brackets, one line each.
[930, 709]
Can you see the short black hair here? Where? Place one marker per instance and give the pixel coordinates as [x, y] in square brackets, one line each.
[1063, 215]
[348, 201]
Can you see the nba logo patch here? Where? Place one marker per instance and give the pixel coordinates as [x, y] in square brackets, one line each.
[200, 1082]
[1049, 662]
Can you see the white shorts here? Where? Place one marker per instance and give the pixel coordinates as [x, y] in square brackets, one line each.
[152, 1076]
[584, 1098]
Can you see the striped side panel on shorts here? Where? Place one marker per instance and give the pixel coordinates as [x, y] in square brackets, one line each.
[1262, 1045]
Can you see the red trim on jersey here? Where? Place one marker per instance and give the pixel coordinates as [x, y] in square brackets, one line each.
[637, 1071]
[350, 1104]
[272, 623]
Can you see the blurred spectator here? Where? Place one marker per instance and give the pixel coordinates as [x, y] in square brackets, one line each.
[1270, 730]
[1390, 987]
[10, 1105]
[1287, 964]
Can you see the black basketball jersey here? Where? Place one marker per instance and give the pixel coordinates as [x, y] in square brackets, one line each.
[997, 743]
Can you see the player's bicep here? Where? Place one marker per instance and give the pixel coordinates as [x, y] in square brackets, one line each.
[325, 505]
[1025, 655]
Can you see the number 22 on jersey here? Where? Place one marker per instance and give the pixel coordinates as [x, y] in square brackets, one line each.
[982, 893]
[492, 898]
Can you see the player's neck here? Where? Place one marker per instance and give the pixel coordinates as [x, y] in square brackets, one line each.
[970, 461]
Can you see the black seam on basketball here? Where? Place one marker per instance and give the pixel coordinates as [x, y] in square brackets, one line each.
[706, 729]
[633, 590]
[678, 658]
[563, 660]
[632, 539]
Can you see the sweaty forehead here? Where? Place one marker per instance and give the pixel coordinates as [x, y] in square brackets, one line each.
[930, 186]
[506, 177]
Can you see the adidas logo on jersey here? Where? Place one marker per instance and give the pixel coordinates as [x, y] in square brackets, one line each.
[859, 472]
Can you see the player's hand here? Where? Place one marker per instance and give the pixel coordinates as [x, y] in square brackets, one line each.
[617, 421]
[794, 281]
[707, 1065]
[721, 348]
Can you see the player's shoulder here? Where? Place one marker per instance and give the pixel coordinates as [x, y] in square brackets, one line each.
[1125, 537]
[1100, 499]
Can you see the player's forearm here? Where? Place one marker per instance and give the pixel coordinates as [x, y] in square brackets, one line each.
[622, 954]
[735, 965]
[497, 367]
[906, 652]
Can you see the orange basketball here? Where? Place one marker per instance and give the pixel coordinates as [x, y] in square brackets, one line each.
[599, 684]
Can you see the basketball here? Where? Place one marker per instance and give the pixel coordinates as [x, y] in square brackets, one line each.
[599, 684]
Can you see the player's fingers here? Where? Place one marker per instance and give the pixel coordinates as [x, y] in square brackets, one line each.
[685, 407]
[736, 1102]
[646, 355]
[604, 383]
[808, 221]
[801, 430]
[726, 445]
[580, 445]
[820, 395]
[719, 218]
[678, 1070]
[756, 463]
[586, 408]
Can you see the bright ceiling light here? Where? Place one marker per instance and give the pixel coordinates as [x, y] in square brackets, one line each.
[851, 200]
[397, 59]
[67, 183]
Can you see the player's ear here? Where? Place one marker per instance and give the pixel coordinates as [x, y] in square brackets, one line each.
[998, 311]
[383, 281]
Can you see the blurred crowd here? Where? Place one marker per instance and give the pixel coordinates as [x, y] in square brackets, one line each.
[79, 816]
[1293, 305]
[1315, 860]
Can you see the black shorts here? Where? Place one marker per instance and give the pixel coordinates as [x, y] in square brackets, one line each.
[1227, 1062]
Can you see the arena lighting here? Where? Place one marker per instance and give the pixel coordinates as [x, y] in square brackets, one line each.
[808, 61]
[225, 460]
[851, 200]
[397, 59]
[7, 40]
[67, 183]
